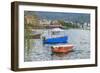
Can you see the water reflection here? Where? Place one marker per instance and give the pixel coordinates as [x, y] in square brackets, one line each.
[81, 49]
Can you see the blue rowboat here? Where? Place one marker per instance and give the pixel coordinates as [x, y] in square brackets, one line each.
[56, 40]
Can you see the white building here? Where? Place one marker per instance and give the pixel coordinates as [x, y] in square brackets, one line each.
[44, 22]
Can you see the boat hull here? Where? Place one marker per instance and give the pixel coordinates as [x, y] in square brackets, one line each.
[62, 49]
[56, 40]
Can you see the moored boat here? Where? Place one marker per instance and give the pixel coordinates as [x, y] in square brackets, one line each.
[66, 48]
[56, 40]
[56, 36]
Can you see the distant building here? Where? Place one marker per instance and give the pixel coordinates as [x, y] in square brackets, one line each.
[44, 22]
[86, 25]
[31, 20]
[67, 21]
[55, 24]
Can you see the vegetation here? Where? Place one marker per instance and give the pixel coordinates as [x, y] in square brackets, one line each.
[68, 25]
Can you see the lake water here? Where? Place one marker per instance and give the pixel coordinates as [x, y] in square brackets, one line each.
[81, 50]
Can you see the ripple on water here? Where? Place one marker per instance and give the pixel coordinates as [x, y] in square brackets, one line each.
[79, 38]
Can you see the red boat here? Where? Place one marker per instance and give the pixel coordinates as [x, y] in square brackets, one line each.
[62, 48]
